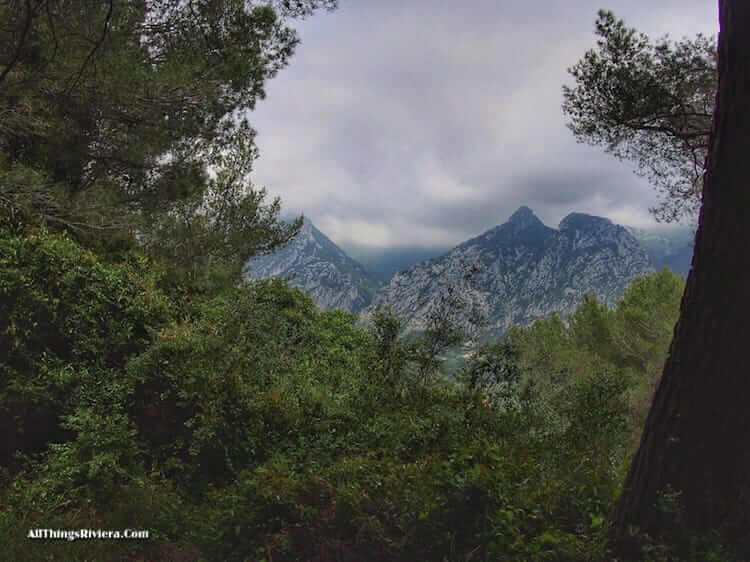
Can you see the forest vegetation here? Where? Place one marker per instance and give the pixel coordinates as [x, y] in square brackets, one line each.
[144, 386]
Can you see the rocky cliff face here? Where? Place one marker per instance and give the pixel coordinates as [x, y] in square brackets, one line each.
[318, 267]
[524, 270]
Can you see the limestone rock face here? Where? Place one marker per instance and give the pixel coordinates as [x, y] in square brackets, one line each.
[314, 264]
[524, 270]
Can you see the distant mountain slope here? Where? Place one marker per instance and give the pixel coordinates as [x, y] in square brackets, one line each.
[382, 264]
[667, 248]
[524, 270]
[318, 267]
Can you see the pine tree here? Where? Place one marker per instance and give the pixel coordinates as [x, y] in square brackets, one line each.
[694, 448]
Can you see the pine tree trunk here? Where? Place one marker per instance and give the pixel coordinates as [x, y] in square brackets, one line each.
[696, 441]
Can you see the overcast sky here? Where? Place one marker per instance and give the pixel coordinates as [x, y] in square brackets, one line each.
[424, 122]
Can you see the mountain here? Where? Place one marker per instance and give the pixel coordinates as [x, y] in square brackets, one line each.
[318, 267]
[672, 248]
[524, 270]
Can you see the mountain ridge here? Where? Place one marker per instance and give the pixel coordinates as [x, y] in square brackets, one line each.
[524, 270]
[317, 266]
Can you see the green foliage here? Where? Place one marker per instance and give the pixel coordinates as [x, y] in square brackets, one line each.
[546, 353]
[67, 323]
[126, 121]
[650, 103]
[646, 315]
[632, 340]
[241, 422]
[260, 362]
[494, 371]
[590, 327]
[251, 425]
[391, 355]
[209, 234]
[442, 330]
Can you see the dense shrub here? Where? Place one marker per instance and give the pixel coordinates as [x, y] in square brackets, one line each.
[250, 425]
[68, 324]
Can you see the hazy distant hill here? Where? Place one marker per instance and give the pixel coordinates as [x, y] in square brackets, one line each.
[382, 264]
[525, 270]
[320, 268]
[672, 248]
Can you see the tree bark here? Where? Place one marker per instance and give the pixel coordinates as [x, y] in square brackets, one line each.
[696, 441]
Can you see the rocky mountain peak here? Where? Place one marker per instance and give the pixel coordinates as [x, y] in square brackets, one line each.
[582, 221]
[313, 263]
[523, 218]
[524, 270]
[523, 228]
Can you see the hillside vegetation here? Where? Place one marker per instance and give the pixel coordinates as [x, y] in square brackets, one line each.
[250, 425]
[145, 386]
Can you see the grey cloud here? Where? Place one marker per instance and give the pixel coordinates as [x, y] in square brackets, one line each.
[424, 122]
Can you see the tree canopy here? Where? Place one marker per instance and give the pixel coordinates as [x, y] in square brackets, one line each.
[260, 427]
[649, 102]
[246, 423]
[131, 116]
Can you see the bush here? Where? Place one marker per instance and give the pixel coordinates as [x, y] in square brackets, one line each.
[68, 323]
[252, 425]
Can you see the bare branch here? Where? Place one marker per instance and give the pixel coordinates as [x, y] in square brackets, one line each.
[19, 47]
[95, 48]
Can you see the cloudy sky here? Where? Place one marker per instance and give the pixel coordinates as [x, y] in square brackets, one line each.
[417, 123]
